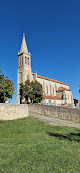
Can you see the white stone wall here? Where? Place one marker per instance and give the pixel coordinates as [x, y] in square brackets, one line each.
[53, 102]
[68, 96]
[60, 112]
[50, 85]
[13, 111]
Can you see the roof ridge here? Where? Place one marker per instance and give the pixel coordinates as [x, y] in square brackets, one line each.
[62, 88]
[51, 79]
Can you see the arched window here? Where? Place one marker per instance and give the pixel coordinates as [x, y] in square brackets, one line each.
[71, 98]
[47, 89]
[20, 76]
[44, 89]
[28, 61]
[25, 60]
[22, 60]
[55, 87]
[53, 90]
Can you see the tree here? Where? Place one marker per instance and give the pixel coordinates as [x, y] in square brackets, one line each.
[36, 92]
[22, 90]
[6, 88]
[25, 90]
[31, 90]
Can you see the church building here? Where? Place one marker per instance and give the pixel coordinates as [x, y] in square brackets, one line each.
[55, 92]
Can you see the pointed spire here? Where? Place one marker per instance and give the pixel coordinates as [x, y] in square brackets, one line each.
[24, 46]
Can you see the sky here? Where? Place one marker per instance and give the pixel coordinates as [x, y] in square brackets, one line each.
[52, 31]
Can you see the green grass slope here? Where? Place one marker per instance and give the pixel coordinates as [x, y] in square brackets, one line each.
[32, 146]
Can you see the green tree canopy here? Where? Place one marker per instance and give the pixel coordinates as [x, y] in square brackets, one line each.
[36, 92]
[31, 90]
[25, 90]
[6, 88]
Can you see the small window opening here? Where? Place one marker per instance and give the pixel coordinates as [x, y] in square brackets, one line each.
[28, 61]
[25, 60]
[22, 60]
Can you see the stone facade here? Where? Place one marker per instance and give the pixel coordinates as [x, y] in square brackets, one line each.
[70, 114]
[58, 93]
[12, 111]
[24, 66]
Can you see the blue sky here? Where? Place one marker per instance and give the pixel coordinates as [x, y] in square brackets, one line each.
[52, 29]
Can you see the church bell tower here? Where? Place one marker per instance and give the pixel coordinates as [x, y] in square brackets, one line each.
[24, 66]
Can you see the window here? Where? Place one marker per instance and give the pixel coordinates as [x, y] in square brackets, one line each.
[28, 61]
[55, 87]
[47, 89]
[50, 89]
[44, 89]
[22, 60]
[25, 60]
[53, 90]
[20, 76]
[71, 98]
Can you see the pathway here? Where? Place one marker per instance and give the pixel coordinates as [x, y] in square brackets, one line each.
[54, 121]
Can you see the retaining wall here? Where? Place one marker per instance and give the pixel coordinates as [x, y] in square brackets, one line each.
[70, 114]
[13, 111]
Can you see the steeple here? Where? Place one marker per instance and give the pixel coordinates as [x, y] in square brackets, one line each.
[24, 48]
[24, 71]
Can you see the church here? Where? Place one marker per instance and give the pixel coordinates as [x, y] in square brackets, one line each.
[55, 92]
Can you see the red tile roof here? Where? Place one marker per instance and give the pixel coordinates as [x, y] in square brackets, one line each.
[62, 89]
[52, 97]
[42, 77]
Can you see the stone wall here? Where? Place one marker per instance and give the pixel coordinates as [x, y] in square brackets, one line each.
[70, 114]
[13, 111]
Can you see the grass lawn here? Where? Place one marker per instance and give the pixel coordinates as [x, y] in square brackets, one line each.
[31, 146]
